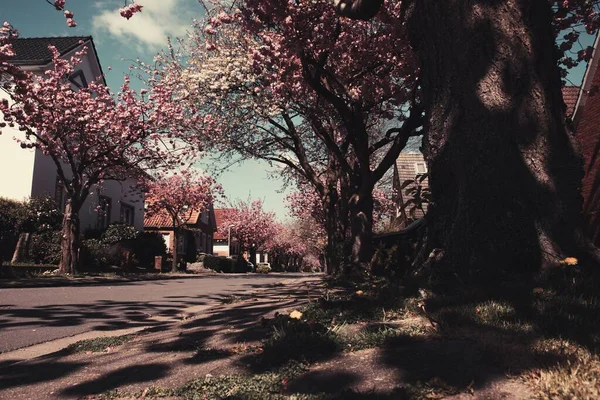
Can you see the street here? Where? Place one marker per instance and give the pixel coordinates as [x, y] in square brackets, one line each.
[35, 315]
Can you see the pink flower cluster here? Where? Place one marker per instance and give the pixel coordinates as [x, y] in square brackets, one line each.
[130, 10]
[181, 195]
[250, 224]
[59, 4]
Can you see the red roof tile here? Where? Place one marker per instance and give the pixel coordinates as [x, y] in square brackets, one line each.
[570, 95]
[219, 217]
[163, 219]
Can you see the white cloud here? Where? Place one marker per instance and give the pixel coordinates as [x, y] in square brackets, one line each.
[149, 28]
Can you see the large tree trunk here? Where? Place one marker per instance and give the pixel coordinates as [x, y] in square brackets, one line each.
[361, 226]
[69, 244]
[335, 238]
[503, 173]
[175, 250]
[22, 247]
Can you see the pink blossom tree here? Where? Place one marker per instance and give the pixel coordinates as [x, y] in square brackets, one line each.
[293, 86]
[249, 224]
[90, 135]
[180, 197]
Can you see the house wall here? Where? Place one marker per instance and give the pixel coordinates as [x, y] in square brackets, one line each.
[405, 169]
[30, 173]
[220, 249]
[588, 137]
[16, 163]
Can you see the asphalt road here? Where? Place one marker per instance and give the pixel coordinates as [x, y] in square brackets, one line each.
[35, 315]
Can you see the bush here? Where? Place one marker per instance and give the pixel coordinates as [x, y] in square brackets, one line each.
[118, 232]
[45, 248]
[9, 210]
[263, 268]
[219, 264]
[93, 254]
[147, 246]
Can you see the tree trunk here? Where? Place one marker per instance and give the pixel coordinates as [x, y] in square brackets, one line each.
[361, 222]
[69, 244]
[503, 173]
[175, 250]
[333, 253]
[22, 248]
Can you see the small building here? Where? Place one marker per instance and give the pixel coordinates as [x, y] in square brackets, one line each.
[582, 110]
[409, 165]
[196, 230]
[30, 173]
[223, 243]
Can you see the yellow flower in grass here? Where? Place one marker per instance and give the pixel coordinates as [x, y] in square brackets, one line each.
[359, 292]
[296, 314]
[570, 261]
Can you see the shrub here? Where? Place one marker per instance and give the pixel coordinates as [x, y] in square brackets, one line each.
[9, 210]
[219, 264]
[147, 246]
[118, 232]
[45, 248]
[263, 268]
[93, 254]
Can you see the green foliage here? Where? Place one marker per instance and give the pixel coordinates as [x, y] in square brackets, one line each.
[93, 254]
[219, 264]
[100, 344]
[147, 246]
[263, 386]
[418, 196]
[263, 268]
[293, 339]
[9, 210]
[41, 214]
[45, 248]
[118, 232]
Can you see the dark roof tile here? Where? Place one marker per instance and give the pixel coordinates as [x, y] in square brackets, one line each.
[34, 51]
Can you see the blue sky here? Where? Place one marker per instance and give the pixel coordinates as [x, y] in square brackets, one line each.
[119, 42]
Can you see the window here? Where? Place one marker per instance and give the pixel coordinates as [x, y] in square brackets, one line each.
[127, 214]
[59, 194]
[77, 78]
[421, 168]
[104, 209]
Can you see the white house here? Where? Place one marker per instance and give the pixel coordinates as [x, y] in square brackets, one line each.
[29, 173]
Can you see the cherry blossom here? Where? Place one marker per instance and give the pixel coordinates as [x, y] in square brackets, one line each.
[180, 197]
[90, 134]
[250, 224]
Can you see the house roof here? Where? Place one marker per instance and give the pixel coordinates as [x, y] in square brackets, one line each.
[163, 219]
[34, 51]
[220, 214]
[570, 95]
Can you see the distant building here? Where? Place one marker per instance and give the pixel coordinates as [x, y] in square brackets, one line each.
[223, 244]
[583, 113]
[30, 173]
[197, 227]
[408, 166]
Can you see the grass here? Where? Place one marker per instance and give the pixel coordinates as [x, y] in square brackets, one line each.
[99, 345]
[548, 339]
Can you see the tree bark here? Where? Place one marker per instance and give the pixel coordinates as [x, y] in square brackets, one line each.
[361, 220]
[503, 172]
[22, 247]
[175, 250]
[69, 244]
